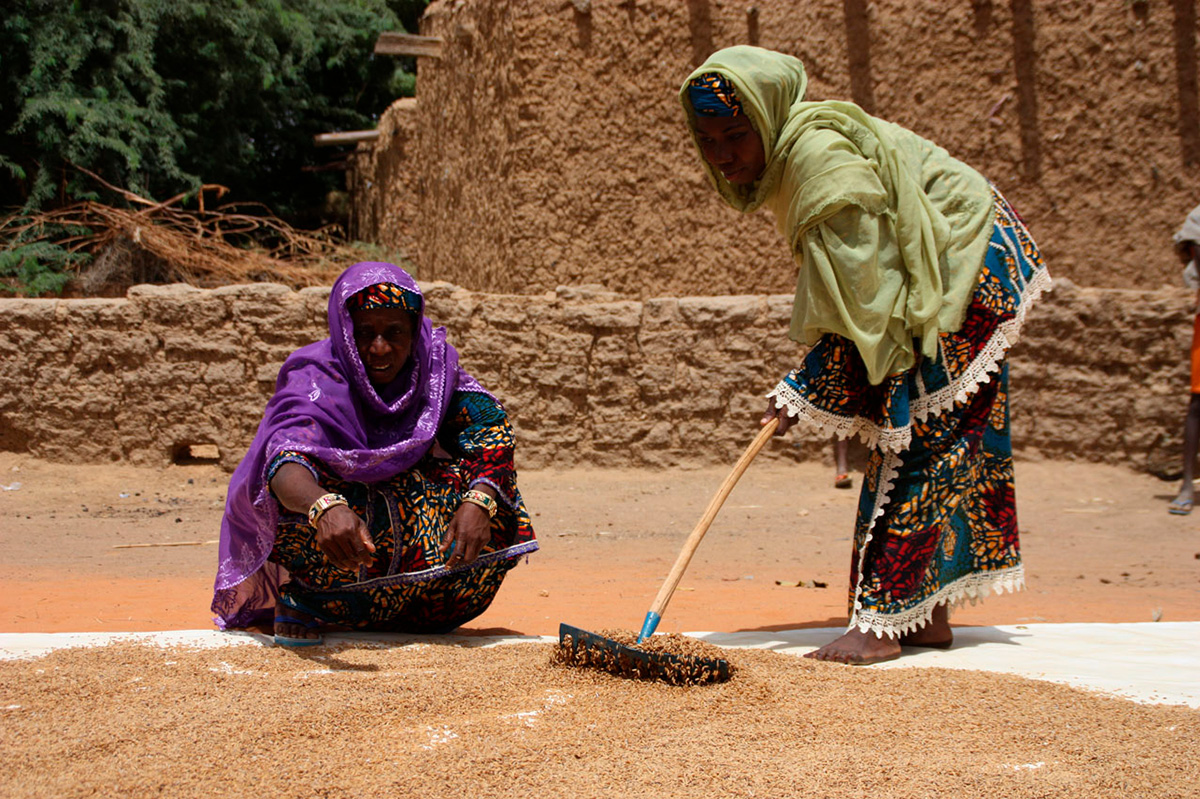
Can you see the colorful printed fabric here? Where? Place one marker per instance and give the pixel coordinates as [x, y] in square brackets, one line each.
[937, 524]
[292, 456]
[384, 295]
[484, 443]
[936, 519]
[712, 95]
[326, 407]
[408, 587]
[830, 391]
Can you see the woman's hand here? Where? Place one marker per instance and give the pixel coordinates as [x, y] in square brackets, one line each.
[469, 531]
[344, 538]
[785, 421]
[341, 535]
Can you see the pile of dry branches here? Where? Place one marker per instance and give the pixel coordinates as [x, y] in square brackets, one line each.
[162, 242]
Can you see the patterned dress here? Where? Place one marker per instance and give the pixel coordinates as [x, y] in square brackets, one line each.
[936, 519]
[407, 588]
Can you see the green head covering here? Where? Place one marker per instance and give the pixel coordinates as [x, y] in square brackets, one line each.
[768, 84]
[890, 232]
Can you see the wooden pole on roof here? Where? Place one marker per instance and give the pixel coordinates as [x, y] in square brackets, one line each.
[344, 137]
[390, 43]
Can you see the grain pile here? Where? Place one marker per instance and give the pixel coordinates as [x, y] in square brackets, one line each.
[670, 657]
[444, 720]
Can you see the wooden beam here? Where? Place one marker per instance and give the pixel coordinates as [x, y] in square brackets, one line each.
[344, 137]
[390, 43]
[332, 166]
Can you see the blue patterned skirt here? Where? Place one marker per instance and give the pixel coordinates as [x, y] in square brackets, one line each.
[936, 519]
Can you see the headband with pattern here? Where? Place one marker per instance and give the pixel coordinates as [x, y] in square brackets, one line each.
[714, 96]
[384, 295]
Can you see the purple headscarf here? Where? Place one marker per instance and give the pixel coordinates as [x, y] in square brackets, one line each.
[326, 407]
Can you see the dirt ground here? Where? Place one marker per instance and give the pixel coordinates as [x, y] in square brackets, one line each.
[1098, 544]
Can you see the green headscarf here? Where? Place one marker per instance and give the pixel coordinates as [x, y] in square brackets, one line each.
[889, 231]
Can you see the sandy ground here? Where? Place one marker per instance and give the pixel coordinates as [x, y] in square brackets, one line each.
[1098, 543]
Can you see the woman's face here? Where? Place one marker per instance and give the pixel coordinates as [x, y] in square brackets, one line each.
[384, 339]
[732, 146]
[1187, 252]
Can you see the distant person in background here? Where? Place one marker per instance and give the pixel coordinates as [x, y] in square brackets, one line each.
[841, 463]
[379, 492]
[1187, 246]
[914, 277]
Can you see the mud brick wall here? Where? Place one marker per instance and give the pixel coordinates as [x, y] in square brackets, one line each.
[547, 147]
[589, 377]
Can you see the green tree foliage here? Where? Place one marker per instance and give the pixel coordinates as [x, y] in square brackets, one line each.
[158, 96]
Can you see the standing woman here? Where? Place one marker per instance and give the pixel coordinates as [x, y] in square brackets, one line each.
[379, 492]
[914, 279]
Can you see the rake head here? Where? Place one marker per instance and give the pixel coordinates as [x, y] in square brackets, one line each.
[578, 647]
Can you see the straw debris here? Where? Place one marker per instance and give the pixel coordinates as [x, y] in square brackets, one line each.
[164, 242]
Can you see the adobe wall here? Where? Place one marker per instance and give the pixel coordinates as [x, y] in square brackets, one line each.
[547, 147]
[589, 377]
[384, 208]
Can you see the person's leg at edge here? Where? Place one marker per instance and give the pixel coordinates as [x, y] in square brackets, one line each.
[841, 449]
[1191, 442]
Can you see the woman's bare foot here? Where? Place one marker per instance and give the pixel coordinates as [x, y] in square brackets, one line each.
[296, 624]
[936, 633]
[857, 648]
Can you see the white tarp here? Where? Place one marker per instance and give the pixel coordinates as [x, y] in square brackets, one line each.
[1156, 663]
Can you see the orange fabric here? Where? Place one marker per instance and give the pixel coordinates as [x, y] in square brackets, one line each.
[1196, 355]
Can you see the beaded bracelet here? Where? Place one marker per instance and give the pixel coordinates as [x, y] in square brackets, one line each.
[324, 503]
[482, 500]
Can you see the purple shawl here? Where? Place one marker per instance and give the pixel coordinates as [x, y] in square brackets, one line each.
[325, 406]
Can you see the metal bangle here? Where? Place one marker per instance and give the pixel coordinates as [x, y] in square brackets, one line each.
[322, 504]
[482, 500]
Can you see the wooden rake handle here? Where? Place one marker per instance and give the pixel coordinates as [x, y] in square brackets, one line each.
[710, 513]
